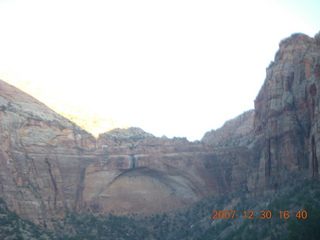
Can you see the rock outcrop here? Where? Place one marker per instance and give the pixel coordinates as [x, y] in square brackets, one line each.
[145, 174]
[282, 133]
[43, 157]
[235, 132]
[49, 165]
[287, 120]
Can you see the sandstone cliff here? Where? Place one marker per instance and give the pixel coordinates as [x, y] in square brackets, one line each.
[145, 174]
[282, 133]
[287, 120]
[48, 165]
[235, 132]
[42, 160]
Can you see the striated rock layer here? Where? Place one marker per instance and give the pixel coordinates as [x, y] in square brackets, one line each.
[146, 174]
[41, 157]
[287, 120]
[282, 134]
[48, 165]
[235, 132]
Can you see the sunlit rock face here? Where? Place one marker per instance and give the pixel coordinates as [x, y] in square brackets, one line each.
[286, 122]
[84, 116]
[135, 167]
[42, 159]
[144, 174]
[49, 165]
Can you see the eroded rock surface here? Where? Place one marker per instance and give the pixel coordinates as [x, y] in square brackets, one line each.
[235, 132]
[48, 165]
[43, 157]
[286, 121]
[282, 133]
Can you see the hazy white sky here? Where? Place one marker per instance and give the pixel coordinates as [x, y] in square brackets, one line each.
[174, 68]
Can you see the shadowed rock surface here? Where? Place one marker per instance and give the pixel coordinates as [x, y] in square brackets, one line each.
[286, 122]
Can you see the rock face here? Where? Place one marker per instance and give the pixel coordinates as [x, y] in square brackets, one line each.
[48, 165]
[235, 132]
[145, 174]
[43, 157]
[282, 133]
[287, 120]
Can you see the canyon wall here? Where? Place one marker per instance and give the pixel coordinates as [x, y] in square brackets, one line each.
[235, 132]
[282, 133]
[49, 165]
[286, 121]
[43, 157]
[145, 174]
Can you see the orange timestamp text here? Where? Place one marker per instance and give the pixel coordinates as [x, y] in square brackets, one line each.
[260, 215]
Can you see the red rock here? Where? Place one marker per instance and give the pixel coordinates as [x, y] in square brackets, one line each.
[49, 165]
[287, 113]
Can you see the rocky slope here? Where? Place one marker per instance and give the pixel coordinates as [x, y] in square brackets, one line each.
[235, 132]
[41, 162]
[48, 165]
[84, 116]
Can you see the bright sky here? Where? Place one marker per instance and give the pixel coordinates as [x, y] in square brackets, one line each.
[172, 67]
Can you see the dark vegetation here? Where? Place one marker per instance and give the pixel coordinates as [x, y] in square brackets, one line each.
[12, 227]
[194, 223]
